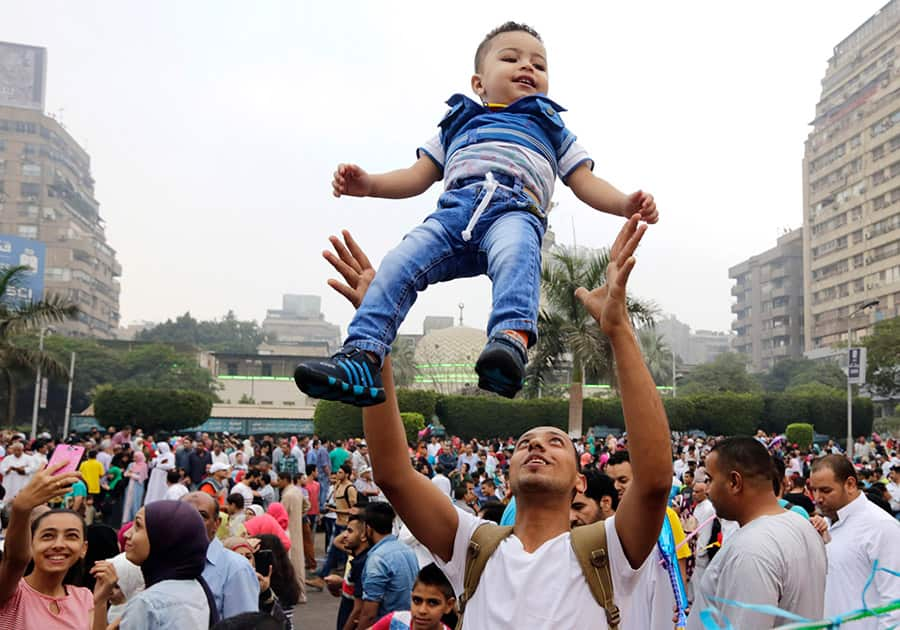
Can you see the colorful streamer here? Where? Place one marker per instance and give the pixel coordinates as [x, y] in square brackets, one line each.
[666, 544]
[713, 619]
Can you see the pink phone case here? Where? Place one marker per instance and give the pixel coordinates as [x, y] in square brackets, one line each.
[66, 453]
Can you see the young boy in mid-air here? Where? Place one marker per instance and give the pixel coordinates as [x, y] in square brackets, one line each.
[432, 600]
[499, 161]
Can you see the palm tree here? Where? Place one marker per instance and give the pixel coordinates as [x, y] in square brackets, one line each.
[567, 332]
[17, 318]
[657, 355]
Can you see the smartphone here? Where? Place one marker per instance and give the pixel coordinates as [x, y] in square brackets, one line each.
[263, 559]
[66, 453]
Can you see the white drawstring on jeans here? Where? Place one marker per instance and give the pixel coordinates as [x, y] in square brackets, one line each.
[489, 188]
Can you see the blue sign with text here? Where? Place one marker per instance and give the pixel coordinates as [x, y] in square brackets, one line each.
[28, 285]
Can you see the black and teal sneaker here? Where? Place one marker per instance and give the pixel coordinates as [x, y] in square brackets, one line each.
[350, 376]
[501, 366]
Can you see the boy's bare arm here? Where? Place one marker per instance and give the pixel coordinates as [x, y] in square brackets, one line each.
[350, 179]
[603, 196]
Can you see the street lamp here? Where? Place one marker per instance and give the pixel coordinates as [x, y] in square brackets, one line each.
[674, 387]
[849, 386]
[37, 385]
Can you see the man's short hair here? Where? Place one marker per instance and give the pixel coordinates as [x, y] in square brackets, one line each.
[460, 492]
[285, 476]
[236, 500]
[347, 469]
[310, 469]
[173, 476]
[619, 457]
[506, 27]
[839, 465]
[489, 482]
[745, 455]
[379, 516]
[600, 485]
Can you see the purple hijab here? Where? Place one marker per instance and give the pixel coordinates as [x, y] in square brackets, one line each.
[178, 545]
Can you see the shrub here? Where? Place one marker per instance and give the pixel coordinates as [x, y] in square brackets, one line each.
[151, 409]
[337, 421]
[800, 433]
[412, 424]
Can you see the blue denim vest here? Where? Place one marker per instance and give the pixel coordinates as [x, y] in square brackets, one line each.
[531, 121]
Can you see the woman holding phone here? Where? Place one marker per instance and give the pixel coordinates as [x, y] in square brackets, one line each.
[56, 541]
[250, 548]
[168, 542]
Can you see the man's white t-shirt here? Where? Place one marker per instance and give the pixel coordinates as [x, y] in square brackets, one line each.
[443, 483]
[176, 491]
[543, 590]
[775, 560]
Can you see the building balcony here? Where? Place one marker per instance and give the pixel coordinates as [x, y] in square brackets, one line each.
[831, 327]
[739, 289]
[738, 307]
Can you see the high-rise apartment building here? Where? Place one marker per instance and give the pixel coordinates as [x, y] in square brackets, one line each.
[47, 194]
[851, 186]
[769, 307]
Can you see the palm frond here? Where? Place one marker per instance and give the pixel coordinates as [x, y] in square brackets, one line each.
[50, 310]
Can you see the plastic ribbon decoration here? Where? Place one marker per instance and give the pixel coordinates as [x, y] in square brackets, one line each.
[713, 619]
[666, 544]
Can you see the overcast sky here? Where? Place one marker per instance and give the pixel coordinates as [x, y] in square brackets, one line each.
[214, 128]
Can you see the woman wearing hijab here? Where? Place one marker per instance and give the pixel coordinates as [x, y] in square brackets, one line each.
[165, 461]
[112, 490]
[134, 495]
[273, 522]
[168, 541]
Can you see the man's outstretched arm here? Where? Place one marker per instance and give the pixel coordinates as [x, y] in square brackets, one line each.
[431, 518]
[640, 514]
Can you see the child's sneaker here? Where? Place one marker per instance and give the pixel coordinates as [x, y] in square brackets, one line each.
[350, 376]
[501, 366]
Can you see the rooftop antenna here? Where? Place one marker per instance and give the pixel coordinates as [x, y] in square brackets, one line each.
[461, 306]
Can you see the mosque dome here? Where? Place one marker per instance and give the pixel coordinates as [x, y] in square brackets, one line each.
[446, 358]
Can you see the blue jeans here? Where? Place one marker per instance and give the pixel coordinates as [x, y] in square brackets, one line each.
[505, 244]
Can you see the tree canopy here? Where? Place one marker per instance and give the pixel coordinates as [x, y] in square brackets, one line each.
[727, 373]
[883, 371]
[228, 334]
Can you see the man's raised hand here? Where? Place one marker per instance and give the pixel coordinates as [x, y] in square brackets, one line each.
[606, 304]
[353, 264]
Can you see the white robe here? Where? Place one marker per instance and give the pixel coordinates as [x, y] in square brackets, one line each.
[13, 482]
[157, 486]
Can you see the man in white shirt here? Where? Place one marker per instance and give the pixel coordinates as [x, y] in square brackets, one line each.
[434, 447]
[17, 469]
[533, 579]
[860, 533]
[441, 480]
[176, 488]
[219, 456]
[470, 458]
[774, 559]
[703, 510]
[894, 489]
[360, 458]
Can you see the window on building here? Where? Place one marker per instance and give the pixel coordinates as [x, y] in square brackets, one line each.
[28, 231]
[267, 369]
[30, 189]
[2, 145]
[232, 369]
[31, 170]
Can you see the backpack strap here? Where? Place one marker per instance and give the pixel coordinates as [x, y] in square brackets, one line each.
[590, 547]
[486, 538]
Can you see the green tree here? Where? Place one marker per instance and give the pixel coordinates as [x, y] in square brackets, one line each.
[159, 366]
[228, 334]
[790, 373]
[403, 360]
[566, 332]
[16, 318]
[657, 355]
[727, 373]
[883, 357]
[151, 409]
